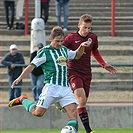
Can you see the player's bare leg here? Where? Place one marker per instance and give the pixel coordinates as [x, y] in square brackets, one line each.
[71, 110]
[81, 98]
[28, 105]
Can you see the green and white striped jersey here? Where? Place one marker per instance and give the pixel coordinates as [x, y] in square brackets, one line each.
[53, 63]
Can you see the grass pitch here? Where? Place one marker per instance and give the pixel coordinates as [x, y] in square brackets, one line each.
[121, 130]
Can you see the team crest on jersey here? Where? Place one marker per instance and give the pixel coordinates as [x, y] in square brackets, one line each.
[89, 39]
[61, 61]
[73, 85]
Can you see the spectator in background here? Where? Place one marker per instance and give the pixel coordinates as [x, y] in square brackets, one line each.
[10, 60]
[19, 8]
[37, 76]
[62, 4]
[45, 10]
[9, 5]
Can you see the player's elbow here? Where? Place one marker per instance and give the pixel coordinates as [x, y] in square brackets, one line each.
[78, 56]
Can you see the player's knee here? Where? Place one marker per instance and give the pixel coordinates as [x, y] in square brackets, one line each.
[82, 101]
[74, 112]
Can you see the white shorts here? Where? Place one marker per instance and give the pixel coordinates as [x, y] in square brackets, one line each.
[52, 94]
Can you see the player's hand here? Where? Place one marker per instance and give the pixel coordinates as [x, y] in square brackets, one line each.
[110, 68]
[15, 82]
[86, 44]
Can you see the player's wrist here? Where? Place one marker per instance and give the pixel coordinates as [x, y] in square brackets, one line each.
[104, 64]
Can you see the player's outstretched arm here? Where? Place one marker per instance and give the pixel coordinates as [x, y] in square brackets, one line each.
[25, 73]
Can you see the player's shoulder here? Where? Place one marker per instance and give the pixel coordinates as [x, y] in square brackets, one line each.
[46, 47]
[93, 35]
[70, 35]
[63, 47]
[43, 50]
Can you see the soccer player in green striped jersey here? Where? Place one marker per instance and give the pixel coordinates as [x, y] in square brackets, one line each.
[52, 58]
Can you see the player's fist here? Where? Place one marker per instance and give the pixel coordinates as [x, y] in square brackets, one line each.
[15, 82]
[86, 44]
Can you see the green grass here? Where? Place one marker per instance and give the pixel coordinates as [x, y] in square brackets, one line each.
[121, 130]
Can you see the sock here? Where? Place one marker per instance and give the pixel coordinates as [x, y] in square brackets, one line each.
[73, 123]
[28, 105]
[84, 118]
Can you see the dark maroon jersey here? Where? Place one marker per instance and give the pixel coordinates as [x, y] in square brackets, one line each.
[72, 41]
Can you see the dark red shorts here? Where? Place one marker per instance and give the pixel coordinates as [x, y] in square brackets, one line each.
[78, 80]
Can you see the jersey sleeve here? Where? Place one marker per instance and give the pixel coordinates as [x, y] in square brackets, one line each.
[39, 59]
[71, 54]
[96, 54]
[95, 46]
[98, 57]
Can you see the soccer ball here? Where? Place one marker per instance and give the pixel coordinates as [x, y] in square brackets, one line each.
[68, 129]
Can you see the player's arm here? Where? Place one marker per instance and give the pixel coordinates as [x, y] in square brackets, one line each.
[25, 73]
[81, 48]
[37, 61]
[98, 57]
[101, 61]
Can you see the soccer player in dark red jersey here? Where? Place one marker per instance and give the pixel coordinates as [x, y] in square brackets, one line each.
[79, 71]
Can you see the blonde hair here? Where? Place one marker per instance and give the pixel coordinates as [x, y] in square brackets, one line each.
[56, 31]
[87, 18]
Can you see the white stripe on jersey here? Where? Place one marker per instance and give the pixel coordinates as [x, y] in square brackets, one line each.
[65, 55]
[57, 71]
